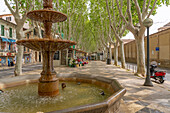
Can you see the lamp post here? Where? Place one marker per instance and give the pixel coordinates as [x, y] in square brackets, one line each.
[147, 23]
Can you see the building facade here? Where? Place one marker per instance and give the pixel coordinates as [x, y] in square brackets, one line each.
[159, 48]
[7, 42]
[8, 49]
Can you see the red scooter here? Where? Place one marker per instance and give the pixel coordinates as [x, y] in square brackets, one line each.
[157, 75]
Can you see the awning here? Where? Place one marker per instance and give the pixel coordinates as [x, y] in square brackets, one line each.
[5, 40]
[12, 40]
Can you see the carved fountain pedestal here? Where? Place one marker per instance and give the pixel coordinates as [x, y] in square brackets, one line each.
[48, 83]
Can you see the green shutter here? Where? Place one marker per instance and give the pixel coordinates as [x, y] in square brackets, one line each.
[2, 30]
[10, 32]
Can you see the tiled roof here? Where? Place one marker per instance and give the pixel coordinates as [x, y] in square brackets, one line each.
[5, 15]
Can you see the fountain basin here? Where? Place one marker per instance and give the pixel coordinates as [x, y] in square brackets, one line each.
[46, 15]
[46, 44]
[110, 105]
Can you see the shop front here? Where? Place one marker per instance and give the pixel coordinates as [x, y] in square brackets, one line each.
[6, 59]
[27, 58]
[3, 61]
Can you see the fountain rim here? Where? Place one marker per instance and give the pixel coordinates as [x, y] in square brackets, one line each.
[46, 10]
[76, 77]
[44, 40]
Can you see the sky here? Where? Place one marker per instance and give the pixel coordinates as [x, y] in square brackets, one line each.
[160, 19]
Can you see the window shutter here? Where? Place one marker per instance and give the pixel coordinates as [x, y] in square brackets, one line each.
[10, 32]
[2, 30]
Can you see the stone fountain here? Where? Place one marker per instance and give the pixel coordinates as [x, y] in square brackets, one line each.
[48, 82]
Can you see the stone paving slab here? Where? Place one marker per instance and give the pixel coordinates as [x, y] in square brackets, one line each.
[138, 99]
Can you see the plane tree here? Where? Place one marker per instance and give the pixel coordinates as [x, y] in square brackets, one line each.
[19, 9]
[137, 11]
[118, 27]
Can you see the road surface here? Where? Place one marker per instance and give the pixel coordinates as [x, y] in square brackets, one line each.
[10, 71]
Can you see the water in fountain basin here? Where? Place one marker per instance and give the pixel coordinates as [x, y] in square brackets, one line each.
[25, 99]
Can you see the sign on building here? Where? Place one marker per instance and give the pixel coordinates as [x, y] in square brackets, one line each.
[157, 48]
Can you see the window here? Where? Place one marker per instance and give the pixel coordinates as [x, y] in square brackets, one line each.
[28, 50]
[56, 55]
[24, 49]
[8, 18]
[10, 32]
[42, 33]
[2, 30]
[28, 35]
[35, 33]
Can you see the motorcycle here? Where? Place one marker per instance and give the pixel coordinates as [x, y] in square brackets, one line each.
[157, 75]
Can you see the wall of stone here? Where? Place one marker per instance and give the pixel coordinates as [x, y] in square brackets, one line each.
[159, 49]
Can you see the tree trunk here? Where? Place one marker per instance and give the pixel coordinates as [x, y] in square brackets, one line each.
[116, 53]
[67, 57]
[38, 25]
[140, 55]
[19, 56]
[122, 54]
[70, 28]
[104, 55]
[110, 53]
[18, 66]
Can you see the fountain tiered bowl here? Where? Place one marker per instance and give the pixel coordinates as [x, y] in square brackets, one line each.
[46, 44]
[48, 82]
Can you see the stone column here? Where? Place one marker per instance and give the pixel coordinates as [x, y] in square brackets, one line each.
[73, 53]
[60, 56]
[67, 57]
[48, 82]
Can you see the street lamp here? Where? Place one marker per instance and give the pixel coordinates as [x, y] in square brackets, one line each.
[147, 23]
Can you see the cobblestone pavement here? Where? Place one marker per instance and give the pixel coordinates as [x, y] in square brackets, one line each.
[138, 98]
[133, 67]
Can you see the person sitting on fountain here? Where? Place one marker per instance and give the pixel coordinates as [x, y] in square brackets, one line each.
[63, 85]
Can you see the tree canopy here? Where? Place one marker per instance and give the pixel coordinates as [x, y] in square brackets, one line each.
[88, 20]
